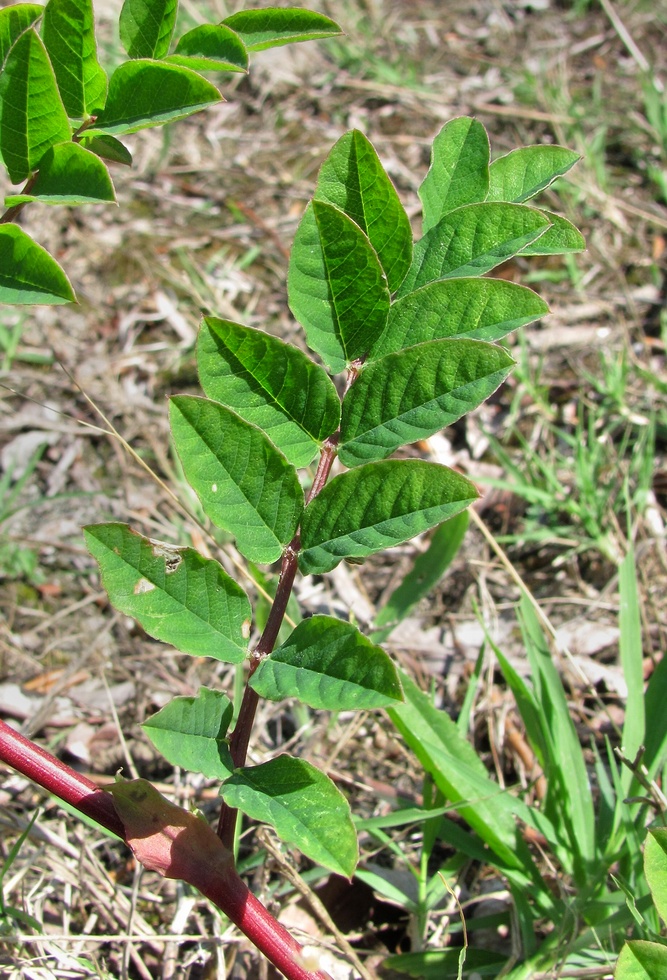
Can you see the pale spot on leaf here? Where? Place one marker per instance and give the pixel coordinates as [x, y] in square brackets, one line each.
[143, 585]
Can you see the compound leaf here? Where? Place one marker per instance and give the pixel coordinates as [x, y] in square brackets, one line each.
[269, 383]
[148, 93]
[69, 174]
[471, 241]
[245, 485]
[560, 237]
[146, 27]
[480, 309]
[13, 21]
[211, 47]
[69, 36]
[353, 179]
[192, 733]
[177, 595]
[329, 664]
[273, 26]
[303, 806]
[32, 115]
[28, 274]
[409, 395]
[336, 286]
[377, 506]
[459, 171]
[525, 172]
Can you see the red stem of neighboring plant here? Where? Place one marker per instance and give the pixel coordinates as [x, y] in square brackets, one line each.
[231, 896]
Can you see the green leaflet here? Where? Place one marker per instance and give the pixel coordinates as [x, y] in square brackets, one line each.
[109, 148]
[192, 733]
[211, 47]
[303, 806]
[481, 309]
[353, 180]
[273, 26]
[459, 171]
[525, 172]
[69, 36]
[13, 21]
[32, 115]
[655, 868]
[269, 383]
[336, 286]
[377, 506]
[328, 664]
[28, 274]
[642, 960]
[245, 485]
[559, 238]
[69, 174]
[471, 241]
[177, 595]
[146, 27]
[149, 93]
[409, 395]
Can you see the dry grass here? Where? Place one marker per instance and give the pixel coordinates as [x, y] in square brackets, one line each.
[205, 221]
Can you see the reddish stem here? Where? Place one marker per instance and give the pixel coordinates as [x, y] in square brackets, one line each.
[231, 895]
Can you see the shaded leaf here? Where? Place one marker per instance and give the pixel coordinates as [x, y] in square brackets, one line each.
[69, 174]
[641, 960]
[328, 664]
[459, 170]
[192, 733]
[28, 274]
[377, 506]
[353, 179]
[409, 395]
[13, 21]
[443, 964]
[303, 806]
[336, 286]
[525, 172]
[481, 309]
[561, 237]
[146, 27]
[109, 148]
[655, 868]
[32, 115]
[273, 26]
[178, 596]
[149, 93]
[211, 47]
[269, 383]
[69, 36]
[245, 485]
[473, 240]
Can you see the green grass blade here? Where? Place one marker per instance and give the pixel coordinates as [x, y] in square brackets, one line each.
[479, 309]
[408, 396]
[471, 241]
[376, 506]
[270, 384]
[631, 656]
[353, 180]
[459, 170]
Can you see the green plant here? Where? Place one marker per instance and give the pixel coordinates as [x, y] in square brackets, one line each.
[644, 959]
[410, 331]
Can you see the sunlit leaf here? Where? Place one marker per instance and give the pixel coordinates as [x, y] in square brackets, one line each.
[28, 274]
[329, 664]
[525, 172]
[32, 115]
[273, 26]
[336, 286]
[377, 506]
[69, 174]
[559, 238]
[353, 179]
[192, 733]
[641, 960]
[269, 383]
[69, 36]
[13, 21]
[409, 395]
[459, 171]
[655, 868]
[245, 485]
[174, 593]
[211, 47]
[146, 27]
[303, 806]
